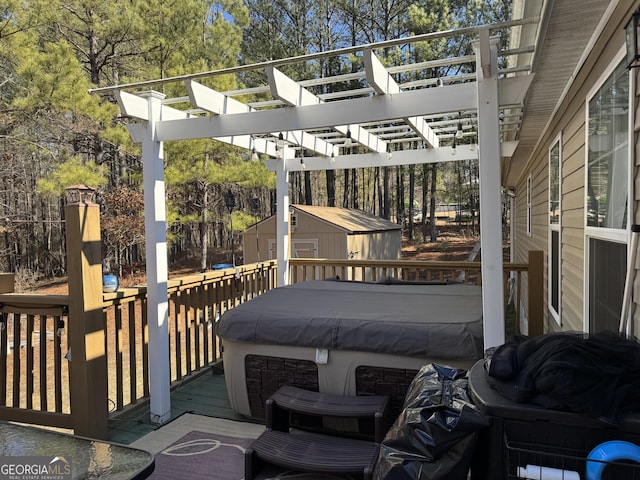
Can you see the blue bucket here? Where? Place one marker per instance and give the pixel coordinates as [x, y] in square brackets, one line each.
[222, 266]
[109, 283]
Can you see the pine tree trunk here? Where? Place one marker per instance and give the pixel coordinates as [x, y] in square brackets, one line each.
[331, 188]
[432, 206]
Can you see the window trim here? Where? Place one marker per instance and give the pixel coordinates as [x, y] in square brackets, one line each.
[555, 227]
[529, 208]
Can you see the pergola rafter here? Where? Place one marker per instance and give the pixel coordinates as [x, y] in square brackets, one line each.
[217, 103]
[383, 83]
[294, 95]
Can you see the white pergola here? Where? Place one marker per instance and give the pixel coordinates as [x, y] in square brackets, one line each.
[391, 123]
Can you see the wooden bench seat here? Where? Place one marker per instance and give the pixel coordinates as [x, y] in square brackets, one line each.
[311, 452]
[293, 399]
[317, 452]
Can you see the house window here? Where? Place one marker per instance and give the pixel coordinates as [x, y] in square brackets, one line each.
[607, 199]
[606, 290]
[554, 249]
[529, 205]
[608, 153]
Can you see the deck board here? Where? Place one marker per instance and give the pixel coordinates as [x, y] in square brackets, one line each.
[204, 395]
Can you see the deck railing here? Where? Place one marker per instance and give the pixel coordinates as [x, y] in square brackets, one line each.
[196, 302]
[36, 358]
[303, 269]
[34, 386]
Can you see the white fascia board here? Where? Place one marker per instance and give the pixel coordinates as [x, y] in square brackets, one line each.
[288, 91]
[218, 103]
[383, 83]
[137, 107]
[364, 160]
[429, 101]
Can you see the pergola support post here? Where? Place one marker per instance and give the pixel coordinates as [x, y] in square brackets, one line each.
[490, 189]
[282, 219]
[157, 265]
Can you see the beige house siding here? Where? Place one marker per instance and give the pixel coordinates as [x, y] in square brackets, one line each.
[539, 221]
[572, 235]
[570, 122]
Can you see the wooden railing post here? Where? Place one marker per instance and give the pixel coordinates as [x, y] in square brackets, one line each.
[88, 367]
[535, 294]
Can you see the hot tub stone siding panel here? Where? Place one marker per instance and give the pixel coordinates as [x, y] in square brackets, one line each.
[393, 382]
[266, 374]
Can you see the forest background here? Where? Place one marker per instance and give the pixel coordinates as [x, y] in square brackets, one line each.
[54, 133]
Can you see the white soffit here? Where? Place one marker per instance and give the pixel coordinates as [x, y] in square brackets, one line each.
[561, 38]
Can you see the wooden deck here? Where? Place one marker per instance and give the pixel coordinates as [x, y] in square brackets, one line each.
[37, 383]
[203, 395]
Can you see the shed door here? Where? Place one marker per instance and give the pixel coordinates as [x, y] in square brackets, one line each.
[304, 248]
[300, 248]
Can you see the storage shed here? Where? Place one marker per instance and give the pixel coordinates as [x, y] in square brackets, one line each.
[326, 232]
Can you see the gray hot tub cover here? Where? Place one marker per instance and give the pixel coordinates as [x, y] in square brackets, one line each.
[423, 320]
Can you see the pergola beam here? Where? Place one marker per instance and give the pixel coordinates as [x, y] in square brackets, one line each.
[399, 157]
[383, 83]
[365, 160]
[324, 115]
[429, 101]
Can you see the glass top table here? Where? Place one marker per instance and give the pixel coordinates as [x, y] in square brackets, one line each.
[88, 458]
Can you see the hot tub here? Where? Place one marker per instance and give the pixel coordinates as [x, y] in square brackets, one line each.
[346, 338]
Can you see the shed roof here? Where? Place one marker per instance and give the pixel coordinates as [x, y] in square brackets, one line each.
[349, 219]
[352, 221]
